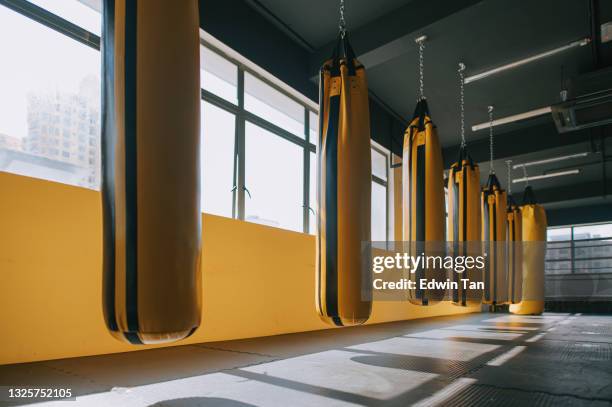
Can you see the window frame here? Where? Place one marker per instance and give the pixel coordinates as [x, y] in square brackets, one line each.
[79, 34]
[571, 247]
[240, 189]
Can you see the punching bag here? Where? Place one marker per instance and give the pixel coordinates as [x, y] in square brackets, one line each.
[344, 171]
[150, 169]
[534, 252]
[464, 223]
[515, 252]
[494, 236]
[423, 200]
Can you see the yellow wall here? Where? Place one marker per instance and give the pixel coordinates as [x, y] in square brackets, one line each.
[257, 280]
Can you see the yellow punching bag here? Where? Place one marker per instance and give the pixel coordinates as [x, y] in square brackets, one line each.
[344, 191]
[515, 253]
[151, 170]
[464, 223]
[423, 200]
[494, 219]
[534, 252]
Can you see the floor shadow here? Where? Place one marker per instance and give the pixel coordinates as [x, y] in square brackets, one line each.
[499, 342]
[444, 367]
[201, 402]
[307, 388]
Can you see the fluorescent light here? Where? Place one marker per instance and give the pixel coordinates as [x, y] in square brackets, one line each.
[514, 118]
[515, 64]
[543, 176]
[550, 160]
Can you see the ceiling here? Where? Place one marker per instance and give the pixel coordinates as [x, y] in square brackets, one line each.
[483, 35]
[300, 15]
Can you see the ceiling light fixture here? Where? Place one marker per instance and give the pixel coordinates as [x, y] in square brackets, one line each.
[513, 118]
[550, 160]
[543, 176]
[520, 62]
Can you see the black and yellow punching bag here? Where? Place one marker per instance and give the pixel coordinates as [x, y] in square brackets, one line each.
[344, 191]
[423, 201]
[515, 252]
[534, 252]
[151, 170]
[494, 219]
[464, 223]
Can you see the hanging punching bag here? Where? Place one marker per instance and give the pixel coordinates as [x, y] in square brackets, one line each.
[464, 222]
[150, 169]
[423, 200]
[494, 236]
[515, 253]
[534, 242]
[344, 191]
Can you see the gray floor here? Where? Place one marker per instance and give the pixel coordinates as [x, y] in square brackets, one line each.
[478, 359]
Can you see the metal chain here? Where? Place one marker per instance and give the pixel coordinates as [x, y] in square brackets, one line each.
[462, 102]
[421, 42]
[342, 24]
[508, 163]
[525, 176]
[492, 169]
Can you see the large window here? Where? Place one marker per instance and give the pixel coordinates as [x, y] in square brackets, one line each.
[579, 249]
[259, 138]
[49, 103]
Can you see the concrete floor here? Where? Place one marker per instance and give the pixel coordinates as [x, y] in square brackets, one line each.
[470, 360]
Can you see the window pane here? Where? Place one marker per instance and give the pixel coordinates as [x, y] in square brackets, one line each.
[379, 164]
[273, 175]
[312, 217]
[268, 103]
[218, 75]
[592, 231]
[218, 132]
[593, 266]
[558, 234]
[50, 121]
[559, 267]
[313, 123]
[84, 13]
[379, 212]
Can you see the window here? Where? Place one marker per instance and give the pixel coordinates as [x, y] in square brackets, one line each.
[218, 75]
[312, 206]
[313, 122]
[259, 139]
[41, 88]
[270, 104]
[380, 168]
[579, 249]
[217, 154]
[84, 13]
[273, 180]
[379, 212]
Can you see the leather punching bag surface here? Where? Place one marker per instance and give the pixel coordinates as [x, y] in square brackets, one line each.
[494, 218]
[423, 200]
[464, 223]
[534, 253]
[150, 169]
[344, 191]
[514, 232]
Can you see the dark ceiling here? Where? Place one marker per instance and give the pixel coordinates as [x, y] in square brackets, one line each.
[483, 35]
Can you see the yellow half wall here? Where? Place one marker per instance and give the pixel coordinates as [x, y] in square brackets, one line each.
[258, 280]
